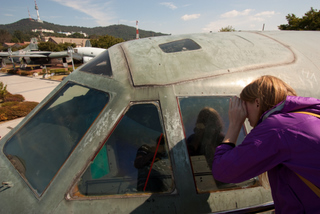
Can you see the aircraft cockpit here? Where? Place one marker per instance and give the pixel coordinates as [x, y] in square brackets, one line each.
[135, 129]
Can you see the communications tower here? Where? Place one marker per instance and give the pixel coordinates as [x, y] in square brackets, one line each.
[37, 9]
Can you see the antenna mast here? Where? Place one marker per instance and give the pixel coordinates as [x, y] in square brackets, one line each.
[137, 31]
[29, 15]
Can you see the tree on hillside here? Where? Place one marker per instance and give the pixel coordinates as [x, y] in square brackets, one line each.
[310, 21]
[105, 41]
[5, 36]
[76, 35]
[19, 37]
[227, 29]
[94, 36]
[64, 46]
[50, 46]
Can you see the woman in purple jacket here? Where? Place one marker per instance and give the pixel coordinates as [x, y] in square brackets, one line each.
[285, 141]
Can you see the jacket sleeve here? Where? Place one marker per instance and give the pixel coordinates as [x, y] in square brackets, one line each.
[262, 149]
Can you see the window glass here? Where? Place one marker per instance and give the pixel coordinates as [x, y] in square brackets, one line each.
[42, 145]
[99, 65]
[134, 159]
[179, 46]
[205, 122]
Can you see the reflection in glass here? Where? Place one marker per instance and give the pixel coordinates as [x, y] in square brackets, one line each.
[205, 121]
[99, 65]
[179, 46]
[134, 158]
[207, 134]
[42, 145]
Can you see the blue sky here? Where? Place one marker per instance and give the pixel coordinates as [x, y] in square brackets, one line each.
[173, 17]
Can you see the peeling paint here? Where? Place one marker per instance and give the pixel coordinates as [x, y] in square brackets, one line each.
[101, 125]
[173, 123]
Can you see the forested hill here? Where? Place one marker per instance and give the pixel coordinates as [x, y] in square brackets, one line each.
[120, 31]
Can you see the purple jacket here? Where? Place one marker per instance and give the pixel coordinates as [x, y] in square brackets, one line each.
[282, 143]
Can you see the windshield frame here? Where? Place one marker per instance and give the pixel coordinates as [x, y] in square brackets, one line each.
[38, 118]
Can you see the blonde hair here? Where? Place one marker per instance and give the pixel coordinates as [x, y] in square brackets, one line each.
[269, 89]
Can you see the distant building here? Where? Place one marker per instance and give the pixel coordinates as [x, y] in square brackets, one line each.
[42, 30]
[7, 44]
[58, 40]
[16, 45]
[65, 33]
[84, 34]
[70, 33]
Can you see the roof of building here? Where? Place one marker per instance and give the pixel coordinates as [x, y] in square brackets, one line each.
[78, 42]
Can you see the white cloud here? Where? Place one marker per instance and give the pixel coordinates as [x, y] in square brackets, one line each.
[241, 20]
[235, 13]
[266, 13]
[190, 17]
[8, 14]
[169, 5]
[99, 11]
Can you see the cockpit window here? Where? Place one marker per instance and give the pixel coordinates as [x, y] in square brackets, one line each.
[40, 148]
[205, 122]
[99, 65]
[134, 159]
[179, 46]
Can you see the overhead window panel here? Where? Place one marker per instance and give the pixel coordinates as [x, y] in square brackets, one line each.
[179, 46]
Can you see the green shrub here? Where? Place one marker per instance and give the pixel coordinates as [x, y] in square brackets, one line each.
[3, 116]
[70, 69]
[25, 73]
[12, 71]
[59, 71]
[13, 98]
[9, 104]
[12, 105]
[3, 90]
[21, 109]
[44, 71]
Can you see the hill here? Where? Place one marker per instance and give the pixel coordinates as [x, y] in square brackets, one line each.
[120, 31]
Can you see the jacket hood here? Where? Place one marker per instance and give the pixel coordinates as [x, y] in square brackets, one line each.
[293, 104]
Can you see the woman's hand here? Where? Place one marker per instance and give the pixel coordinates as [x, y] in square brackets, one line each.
[237, 111]
[237, 115]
